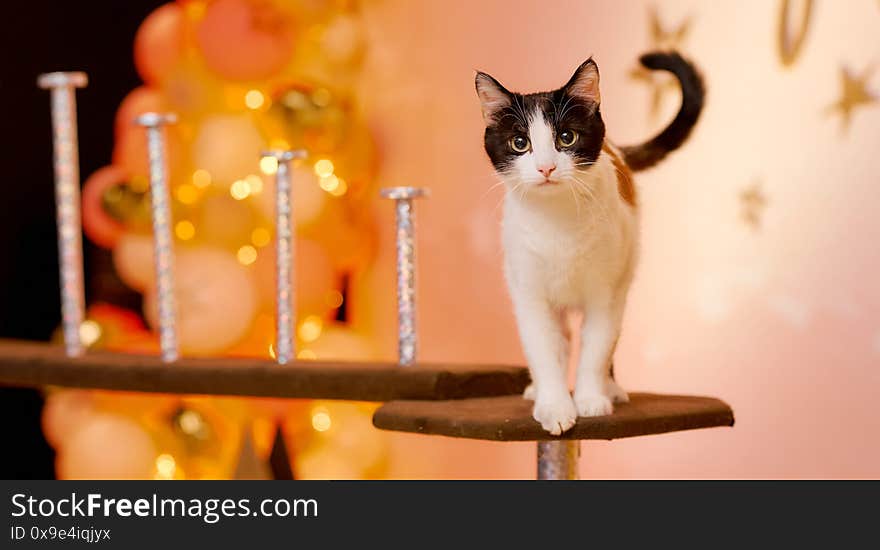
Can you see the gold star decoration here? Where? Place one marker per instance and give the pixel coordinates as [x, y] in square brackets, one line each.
[854, 93]
[661, 84]
[752, 202]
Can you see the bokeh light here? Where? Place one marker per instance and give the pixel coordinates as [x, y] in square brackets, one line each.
[268, 165]
[185, 230]
[254, 99]
[246, 255]
[310, 328]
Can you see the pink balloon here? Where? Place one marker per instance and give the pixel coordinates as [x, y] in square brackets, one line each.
[245, 40]
[158, 44]
[65, 410]
[314, 278]
[107, 446]
[340, 342]
[133, 260]
[216, 300]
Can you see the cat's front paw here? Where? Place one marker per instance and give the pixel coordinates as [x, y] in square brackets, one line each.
[592, 404]
[529, 392]
[556, 414]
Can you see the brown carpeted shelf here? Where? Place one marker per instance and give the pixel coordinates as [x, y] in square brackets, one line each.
[509, 418]
[35, 364]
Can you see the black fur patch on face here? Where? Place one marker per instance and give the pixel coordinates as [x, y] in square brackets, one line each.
[563, 108]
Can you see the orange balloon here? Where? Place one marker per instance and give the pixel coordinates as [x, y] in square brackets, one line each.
[99, 226]
[65, 411]
[121, 319]
[158, 44]
[244, 40]
[141, 100]
[107, 446]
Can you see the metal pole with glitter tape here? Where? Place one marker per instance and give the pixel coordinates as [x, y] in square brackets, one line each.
[406, 270]
[558, 459]
[163, 245]
[67, 202]
[285, 307]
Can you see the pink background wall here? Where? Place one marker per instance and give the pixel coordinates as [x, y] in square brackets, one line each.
[782, 321]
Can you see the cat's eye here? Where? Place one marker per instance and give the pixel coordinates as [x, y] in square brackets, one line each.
[566, 138]
[520, 144]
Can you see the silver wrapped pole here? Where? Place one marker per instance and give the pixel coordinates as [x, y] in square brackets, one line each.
[67, 201]
[285, 307]
[406, 270]
[558, 459]
[163, 245]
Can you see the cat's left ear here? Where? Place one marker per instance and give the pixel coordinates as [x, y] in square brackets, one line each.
[493, 96]
[584, 84]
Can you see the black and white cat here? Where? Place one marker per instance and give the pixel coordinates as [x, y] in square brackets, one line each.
[571, 226]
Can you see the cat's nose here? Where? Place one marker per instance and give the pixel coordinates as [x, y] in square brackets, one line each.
[547, 170]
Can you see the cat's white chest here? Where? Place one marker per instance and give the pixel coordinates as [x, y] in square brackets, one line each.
[565, 259]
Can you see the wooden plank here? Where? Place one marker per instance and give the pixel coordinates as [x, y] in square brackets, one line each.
[35, 364]
[509, 418]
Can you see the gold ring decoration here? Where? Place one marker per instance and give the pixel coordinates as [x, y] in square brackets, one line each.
[790, 46]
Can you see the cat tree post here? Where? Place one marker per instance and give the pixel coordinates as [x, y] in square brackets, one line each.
[67, 201]
[558, 459]
[163, 250]
[285, 308]
[406, 270]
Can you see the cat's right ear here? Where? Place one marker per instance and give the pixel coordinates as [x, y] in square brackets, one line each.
[493, 96]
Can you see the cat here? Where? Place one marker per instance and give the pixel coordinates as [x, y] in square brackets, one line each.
[570, 226]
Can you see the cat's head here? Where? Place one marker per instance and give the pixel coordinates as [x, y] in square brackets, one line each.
[543, 142]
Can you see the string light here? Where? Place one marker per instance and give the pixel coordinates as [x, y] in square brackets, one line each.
[310, 328]
[260, 236]
[201, 178]
[268, 165]
[329, 183]
[254, 99]
[255, 183]
[166, 466]
[239, 190]
[191, 423]
[185, 230]
[324, 168]
[272, 351]
[321, 419]
[89, 332]
[340, 188]
[186, 193]
[247, 255]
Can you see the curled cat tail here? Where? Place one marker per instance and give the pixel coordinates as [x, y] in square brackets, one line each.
[646, 155]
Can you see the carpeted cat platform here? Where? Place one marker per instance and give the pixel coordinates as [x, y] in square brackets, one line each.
[509, 418]
[36, 364]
